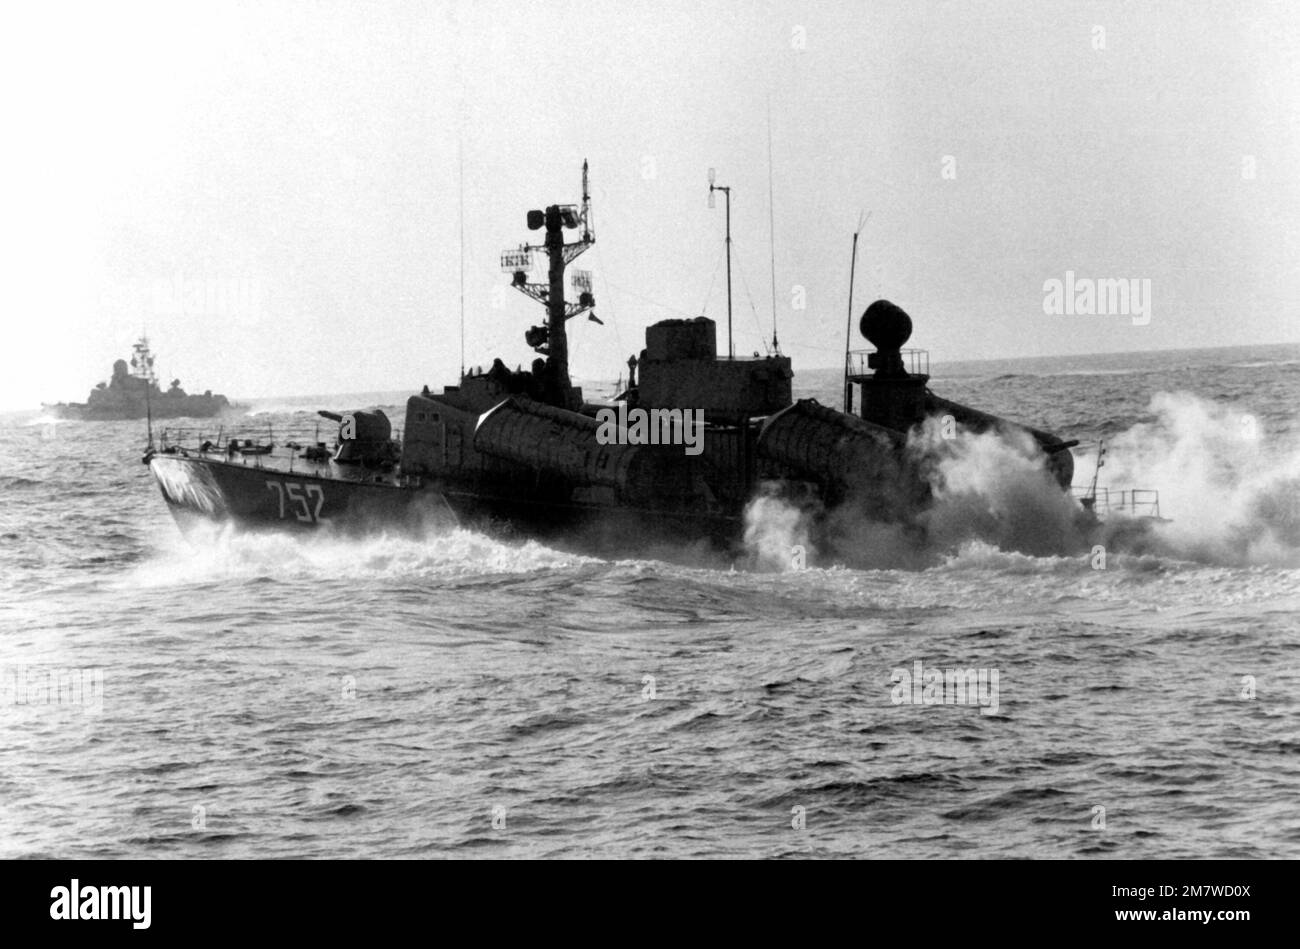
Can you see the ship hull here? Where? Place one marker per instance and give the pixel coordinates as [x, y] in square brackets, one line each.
[206, 489]
[200, 488]
[596, 528]
[82, 412]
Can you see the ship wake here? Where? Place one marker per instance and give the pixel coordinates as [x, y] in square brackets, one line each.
[1229, 494]
[225, 553]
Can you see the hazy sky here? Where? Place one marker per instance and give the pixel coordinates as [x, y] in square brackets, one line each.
[272, 188]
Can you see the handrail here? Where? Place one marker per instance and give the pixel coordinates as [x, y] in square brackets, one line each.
[255, 436]
[916, 361]
[1134, 502]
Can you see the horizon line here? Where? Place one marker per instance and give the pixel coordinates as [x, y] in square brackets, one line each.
[939, 362]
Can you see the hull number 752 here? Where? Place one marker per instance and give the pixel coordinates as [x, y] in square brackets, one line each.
[301, 497]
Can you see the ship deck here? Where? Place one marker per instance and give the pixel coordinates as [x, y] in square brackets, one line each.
[287, 456]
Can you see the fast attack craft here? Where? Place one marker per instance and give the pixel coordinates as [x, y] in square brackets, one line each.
[692, 440]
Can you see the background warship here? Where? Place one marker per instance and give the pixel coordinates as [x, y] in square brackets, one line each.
[523, 450]
[133, 393]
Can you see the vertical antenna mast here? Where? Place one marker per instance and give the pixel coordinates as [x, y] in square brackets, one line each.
[142, 363]
[731, 349]
[848, 332]
[771, 226]
[148, 416]
[586, 204]
[1101, 463]
[462, 177]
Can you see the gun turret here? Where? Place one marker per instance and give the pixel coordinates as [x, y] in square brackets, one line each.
[365, 438]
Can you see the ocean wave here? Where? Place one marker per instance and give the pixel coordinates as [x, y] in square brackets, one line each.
[19, 483]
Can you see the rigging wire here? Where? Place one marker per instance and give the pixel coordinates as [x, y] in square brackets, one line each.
[643, 297]
[753, 309]
[611, 214]
[611, 309]
[613, 321]
[712, 281]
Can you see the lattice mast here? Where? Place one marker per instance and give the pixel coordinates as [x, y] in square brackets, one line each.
[551, 340]
[142, 361]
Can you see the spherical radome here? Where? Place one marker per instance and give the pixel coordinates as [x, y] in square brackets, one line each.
[885, 325]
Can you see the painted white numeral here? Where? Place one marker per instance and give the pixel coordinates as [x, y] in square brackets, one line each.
[319, 492]
[295, 493]
[279, 489]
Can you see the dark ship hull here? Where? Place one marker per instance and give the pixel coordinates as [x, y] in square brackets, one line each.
[218, 488]
[677, 458]
[194, 406]
[523, 468]
[266, 494]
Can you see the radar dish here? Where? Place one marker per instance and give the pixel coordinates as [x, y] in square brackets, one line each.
[885, 326]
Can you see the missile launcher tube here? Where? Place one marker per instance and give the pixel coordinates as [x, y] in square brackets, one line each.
[830, 446]
[564, 443]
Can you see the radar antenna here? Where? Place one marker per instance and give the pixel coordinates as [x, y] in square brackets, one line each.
[551, 340]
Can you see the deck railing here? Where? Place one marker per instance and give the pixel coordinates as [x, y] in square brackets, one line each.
[915, 361]
[286, 442]
[1133, 502]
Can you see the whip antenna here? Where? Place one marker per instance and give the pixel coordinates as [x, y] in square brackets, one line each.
[726, 193]
[462, 177]
[848, 333]
[771, 227]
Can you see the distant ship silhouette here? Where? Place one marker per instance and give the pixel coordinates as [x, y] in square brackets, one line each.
[133, 393]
